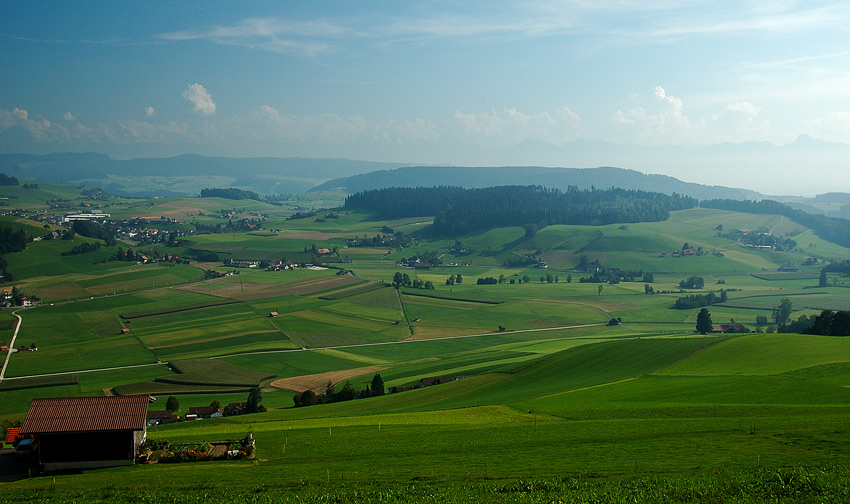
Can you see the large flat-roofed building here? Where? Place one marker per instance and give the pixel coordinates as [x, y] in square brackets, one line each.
[87, 432]
[86, 216]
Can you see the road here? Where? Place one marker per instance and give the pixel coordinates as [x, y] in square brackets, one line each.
[11, 346]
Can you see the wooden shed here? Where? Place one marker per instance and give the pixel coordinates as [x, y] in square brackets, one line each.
[87, 432]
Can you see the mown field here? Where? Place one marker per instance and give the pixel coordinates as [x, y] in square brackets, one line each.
[547, 401]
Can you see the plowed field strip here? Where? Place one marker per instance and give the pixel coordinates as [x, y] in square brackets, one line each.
[318, 382]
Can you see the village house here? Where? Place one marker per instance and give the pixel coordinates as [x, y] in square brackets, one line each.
[161, 417]
[235, 408]
[435, 380]
[204, 412]
[729, 328]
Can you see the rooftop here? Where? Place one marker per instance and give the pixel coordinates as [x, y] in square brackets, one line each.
[79, 414]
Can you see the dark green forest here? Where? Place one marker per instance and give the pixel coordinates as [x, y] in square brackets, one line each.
[230, 193]
[459, 211]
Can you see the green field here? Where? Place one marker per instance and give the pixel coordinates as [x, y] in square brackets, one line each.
[544, 401]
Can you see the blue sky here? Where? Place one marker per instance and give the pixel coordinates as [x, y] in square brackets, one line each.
[474, 83]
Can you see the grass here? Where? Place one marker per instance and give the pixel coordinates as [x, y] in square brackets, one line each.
[642, 412]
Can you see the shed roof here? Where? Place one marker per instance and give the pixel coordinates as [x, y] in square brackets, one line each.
[11, 434]
[79, 414]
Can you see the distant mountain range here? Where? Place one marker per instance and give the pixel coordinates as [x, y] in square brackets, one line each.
[186, 175]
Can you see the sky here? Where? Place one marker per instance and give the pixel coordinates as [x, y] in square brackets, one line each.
[661, 87]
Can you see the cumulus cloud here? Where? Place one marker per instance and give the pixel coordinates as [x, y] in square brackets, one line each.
[739, 122]
[661, 120]
[834, 126]
[69, 116]
[40, 129]
[150, 111]
[200, 98]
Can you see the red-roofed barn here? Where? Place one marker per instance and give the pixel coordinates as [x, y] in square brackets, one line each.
[87, 432]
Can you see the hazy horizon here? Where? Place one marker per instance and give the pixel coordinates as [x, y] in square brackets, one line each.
[658, 88]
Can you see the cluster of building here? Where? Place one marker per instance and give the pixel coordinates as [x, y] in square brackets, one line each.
[162, 417]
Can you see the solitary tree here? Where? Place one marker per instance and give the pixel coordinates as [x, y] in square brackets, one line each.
[599, 289]
[822, 282]
[782, 312]
[704, 324]
[172, 404]
[377, 385]
[254, 400]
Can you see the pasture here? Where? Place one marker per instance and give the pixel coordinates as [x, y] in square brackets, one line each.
[542, 390]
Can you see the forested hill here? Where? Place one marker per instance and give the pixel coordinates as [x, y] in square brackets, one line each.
[560, 178]
[833, 229]
[459, 211]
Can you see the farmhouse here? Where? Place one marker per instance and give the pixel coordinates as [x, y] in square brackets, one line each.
[204, 412]
[236, 408]
[435, 380]
[87, 432]
[729, 328]
[161, 417]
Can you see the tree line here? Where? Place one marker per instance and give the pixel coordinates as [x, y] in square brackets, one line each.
[91, 230]
[699, 300]
[831, 229]
[229, 193]
[459, 211]
[346, 393]
[12, 240]
[7, 180]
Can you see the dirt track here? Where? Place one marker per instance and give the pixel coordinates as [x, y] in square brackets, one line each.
[318, 382]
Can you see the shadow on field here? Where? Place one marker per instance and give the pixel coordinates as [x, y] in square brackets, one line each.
[12, 469]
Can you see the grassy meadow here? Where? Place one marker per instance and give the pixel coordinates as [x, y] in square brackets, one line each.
[546, 402]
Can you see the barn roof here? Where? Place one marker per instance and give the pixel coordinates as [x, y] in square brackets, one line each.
[80, 414]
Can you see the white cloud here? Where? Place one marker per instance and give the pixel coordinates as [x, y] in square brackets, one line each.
[834, 126]
[739, 122]
[40, 129]
[269, 34]
[269, 124]
[510, 126]
[745, 108]
[660, 121]
[200, 98]
[150, 111]
[69, 116]
[145, 132]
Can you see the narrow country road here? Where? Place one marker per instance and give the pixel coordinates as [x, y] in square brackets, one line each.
[11, 346]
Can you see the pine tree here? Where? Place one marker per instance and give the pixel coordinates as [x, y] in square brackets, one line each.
[704, 324]
[377, 385]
